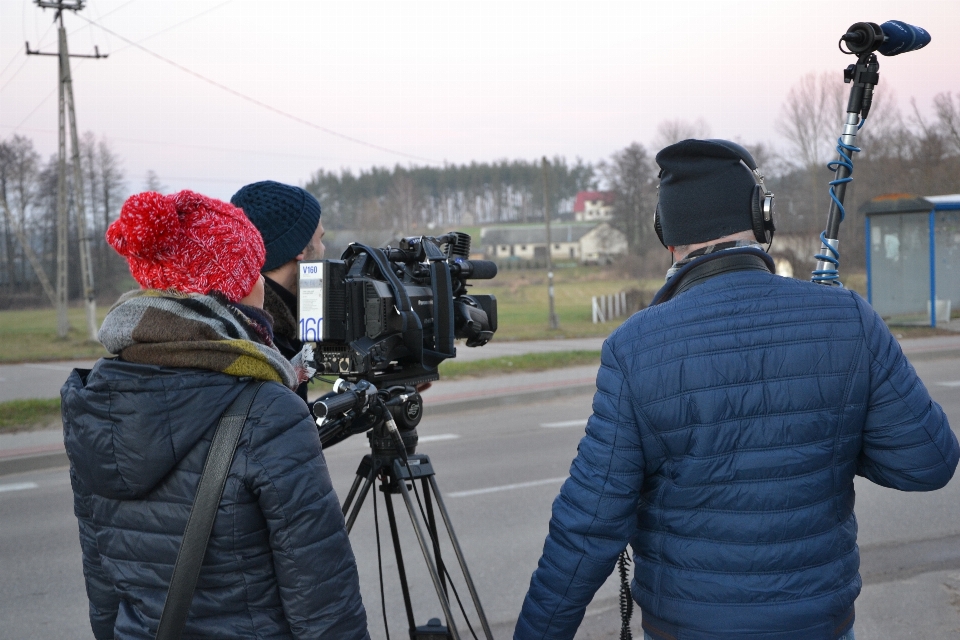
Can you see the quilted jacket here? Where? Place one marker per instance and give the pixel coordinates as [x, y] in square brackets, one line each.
[278, 565]
[727, 428]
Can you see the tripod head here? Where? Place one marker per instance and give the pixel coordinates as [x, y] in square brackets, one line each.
[391, 415]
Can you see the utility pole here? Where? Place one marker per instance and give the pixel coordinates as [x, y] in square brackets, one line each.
[67, 111]
[554, 322]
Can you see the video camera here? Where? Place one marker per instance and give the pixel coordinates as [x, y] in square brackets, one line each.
[388, 317]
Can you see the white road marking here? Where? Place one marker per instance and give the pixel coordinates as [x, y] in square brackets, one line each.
[505, 487]
[438, 437]
[566, 423]
[951, 383]
[19, 486]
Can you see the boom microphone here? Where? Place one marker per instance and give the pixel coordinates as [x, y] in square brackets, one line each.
[900, 37]
[890, 39]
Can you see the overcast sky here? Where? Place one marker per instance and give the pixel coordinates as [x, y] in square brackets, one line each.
[432, 82]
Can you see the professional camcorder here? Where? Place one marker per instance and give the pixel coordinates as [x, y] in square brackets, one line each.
[388, 317]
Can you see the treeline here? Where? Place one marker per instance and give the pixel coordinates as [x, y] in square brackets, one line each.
[29, 194]
[478, 193]
[904, 151]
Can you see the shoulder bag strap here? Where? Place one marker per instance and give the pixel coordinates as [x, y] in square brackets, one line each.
[204, 511]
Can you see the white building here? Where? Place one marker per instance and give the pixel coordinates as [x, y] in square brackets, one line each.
[593, 206]
[588, 243]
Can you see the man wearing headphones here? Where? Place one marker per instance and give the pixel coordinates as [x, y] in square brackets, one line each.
[730, 419]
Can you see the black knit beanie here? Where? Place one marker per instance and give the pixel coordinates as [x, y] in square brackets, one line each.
[705, 191]
[286, 216]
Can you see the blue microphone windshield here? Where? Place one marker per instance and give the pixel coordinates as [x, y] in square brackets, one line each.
[902, 37]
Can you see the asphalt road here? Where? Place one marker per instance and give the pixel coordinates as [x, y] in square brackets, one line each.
[499, 470]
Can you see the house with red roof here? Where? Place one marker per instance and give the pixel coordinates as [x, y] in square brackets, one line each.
[593, 206]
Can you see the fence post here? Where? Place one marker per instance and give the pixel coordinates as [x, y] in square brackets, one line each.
[598, 314]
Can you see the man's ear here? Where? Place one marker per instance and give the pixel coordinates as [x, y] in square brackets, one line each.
[300, 256]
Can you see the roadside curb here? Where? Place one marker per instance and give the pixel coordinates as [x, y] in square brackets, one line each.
[35, 462]
[55, 459]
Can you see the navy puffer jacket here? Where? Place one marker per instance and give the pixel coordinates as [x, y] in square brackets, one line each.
[727, 428]
[278, 565]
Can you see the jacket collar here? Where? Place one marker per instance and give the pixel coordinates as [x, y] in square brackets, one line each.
[704, 267]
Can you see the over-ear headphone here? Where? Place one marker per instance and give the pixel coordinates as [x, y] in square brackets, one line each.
[761, 202]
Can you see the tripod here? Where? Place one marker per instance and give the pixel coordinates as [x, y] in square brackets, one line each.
[389, 461]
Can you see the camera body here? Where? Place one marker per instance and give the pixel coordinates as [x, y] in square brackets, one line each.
[390, 315]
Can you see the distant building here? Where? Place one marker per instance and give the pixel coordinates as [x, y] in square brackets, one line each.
[593, 206]
[587, 243]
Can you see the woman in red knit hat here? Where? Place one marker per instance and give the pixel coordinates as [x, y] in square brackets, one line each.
[138, 426]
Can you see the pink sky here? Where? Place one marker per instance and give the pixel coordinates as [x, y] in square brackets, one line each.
[442, 81]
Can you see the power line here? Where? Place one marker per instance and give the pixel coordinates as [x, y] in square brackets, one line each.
[14, 59]
[185, 146]
[179, 24]
[259, 103]
[14, 76]
[91, 23]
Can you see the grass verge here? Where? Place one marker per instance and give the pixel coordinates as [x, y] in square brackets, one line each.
[25, 415]
[452, 370]
[30, 335]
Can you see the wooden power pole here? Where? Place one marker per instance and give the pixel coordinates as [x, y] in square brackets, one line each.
[554, 322]
[68, 112]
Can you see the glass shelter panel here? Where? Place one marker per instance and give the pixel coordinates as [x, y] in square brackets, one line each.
[900, 266]
[947, 234]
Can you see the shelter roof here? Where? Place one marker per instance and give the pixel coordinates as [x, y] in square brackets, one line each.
[909, 203]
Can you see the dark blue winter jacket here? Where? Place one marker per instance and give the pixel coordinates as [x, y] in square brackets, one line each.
[278, 565]
[727, 428]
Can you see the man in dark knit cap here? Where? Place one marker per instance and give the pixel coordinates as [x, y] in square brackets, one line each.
[730, 419]
[288, 218]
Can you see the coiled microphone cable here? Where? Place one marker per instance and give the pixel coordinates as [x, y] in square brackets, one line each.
[831, 256]
[626, 600]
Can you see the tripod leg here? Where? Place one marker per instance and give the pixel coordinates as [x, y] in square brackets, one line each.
[444, 601]
[391, 516]
[363, 494]
[460, 558]
[350, 494]
[434, 534]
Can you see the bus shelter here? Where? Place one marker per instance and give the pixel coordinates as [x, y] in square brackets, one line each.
[913, 258]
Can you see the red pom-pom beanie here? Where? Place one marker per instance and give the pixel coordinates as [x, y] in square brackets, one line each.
[188, 242]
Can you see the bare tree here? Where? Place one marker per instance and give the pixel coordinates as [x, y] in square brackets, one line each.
[404, 201]
[152, 182]
[948, 115]
[811, 117]
[18, 174]
[631, 174]
[673, 131]
[112, 191]
[812, 112]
